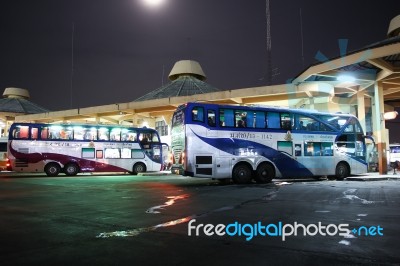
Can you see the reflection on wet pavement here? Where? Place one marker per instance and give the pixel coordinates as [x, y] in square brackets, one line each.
[348, 195]
[171, 201]
[135, 232]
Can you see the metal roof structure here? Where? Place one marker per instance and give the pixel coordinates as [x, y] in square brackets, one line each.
[186, 79]
[184, 85]
[16, 101]
[359, 70]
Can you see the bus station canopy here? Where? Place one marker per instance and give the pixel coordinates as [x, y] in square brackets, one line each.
[337, 80]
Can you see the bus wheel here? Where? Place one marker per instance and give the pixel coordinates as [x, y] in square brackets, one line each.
[265, 173]
[241, 174]
[71, 169]
[342, 171]
[52, 169]
[138, 168]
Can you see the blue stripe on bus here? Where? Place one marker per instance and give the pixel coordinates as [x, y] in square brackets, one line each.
[353, 157]
[285, 163]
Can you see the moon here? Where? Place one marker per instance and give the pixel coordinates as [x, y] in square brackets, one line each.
[153, 3]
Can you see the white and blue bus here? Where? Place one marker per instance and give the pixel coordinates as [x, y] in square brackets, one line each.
[263, 143]
[73, 149]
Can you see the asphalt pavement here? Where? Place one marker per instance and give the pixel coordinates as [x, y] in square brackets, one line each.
[120, 219]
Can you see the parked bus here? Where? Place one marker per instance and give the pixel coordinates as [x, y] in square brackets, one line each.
[394, 153]
[262, 143]
[74, 149]
[4, 162]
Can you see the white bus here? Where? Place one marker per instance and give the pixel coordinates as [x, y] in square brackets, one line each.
[394, 152]
[74, 149]
[4, 162]
[262, 143]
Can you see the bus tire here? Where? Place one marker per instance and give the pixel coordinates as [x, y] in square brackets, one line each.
[342, 171]
[265, 173]
[52, 169]
[242, 174]
[138, 168]
[71, 169]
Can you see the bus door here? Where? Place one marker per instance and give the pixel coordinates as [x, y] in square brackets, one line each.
[155, 152]
[316, 157]
[352, 143]
[204, 165]
[289, 160]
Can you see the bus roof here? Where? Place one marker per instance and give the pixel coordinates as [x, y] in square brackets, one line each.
[270, 108]
[84, 125]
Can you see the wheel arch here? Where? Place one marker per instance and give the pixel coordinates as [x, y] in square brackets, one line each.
[348, 169]
[266, 162]
[49, 164]
[139, 163]
[72, 162]
[345, 163]
[242, 172]
[246, 162]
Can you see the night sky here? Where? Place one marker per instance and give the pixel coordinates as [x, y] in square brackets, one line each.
[123, 49]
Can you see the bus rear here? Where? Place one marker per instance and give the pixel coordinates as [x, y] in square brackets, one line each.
[4, 162]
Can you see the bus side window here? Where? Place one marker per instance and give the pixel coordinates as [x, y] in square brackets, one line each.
[260, 120]
[226, 117]
[286, 121]
[89, 134]
[21, 132]
[34, 133]
[115, 134]
[103, 134]
[131, 135]
[69, 133]
[241, 118]
[211, 118]
[44, 133]
[128, 135]
[198, 114]
[250, 119]
[273, 120]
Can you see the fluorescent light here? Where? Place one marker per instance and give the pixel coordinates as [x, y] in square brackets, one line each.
[345, 78]
[390, 115]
